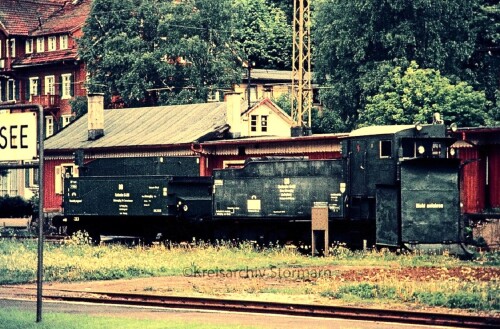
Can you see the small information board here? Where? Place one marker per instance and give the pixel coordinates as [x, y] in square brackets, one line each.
[18, 136]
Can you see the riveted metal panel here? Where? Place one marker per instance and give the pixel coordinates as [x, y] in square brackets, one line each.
[430, 203]
[276, 189]
[136, 195]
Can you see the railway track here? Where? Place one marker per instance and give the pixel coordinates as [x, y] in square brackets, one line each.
[353, 313]
[46, 238]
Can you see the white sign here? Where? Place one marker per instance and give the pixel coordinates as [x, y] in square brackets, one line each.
[18, 136]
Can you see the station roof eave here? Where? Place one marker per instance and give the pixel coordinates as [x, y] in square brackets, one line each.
[276, 139]
[146, 127]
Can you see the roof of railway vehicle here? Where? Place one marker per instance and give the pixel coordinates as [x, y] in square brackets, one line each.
[379, 130]
[145, 126]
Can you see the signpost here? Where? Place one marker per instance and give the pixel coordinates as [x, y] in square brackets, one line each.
[18, 142]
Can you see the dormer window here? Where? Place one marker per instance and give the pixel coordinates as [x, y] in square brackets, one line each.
[51, 43]
[40, 45]
[29, 46]
[63, 42]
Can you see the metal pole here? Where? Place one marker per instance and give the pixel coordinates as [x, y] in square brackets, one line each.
[249, 82]
[40, 216]
[40, 196]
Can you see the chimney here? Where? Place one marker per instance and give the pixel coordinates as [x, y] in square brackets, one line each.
[233, 113]
[95, 116]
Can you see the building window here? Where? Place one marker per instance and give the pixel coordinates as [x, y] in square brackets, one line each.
[63, 42]
[62, 171]
[40, 45]
[9, 184]
[65, 86]
[253, 123]
[29, 46]
[49, 85]
[10, 47]
[263, 123]
[49, 126]
[65, 120]
[33, 88]
[11, 90]
[31, 177]
[385, 148]
[51, 41]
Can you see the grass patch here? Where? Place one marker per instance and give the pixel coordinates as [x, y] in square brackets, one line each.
[12, 318]
[270, 270]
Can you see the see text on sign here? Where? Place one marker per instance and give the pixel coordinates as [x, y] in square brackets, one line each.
[18, 136]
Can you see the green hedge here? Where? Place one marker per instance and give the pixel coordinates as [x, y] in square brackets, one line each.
[15, 207]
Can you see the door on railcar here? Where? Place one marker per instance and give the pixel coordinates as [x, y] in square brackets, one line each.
[430, 201]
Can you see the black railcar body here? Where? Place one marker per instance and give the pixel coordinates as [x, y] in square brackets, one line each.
[393, 186]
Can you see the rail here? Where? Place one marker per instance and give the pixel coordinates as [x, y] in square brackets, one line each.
[355, 313]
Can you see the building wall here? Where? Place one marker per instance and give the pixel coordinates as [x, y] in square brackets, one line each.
[275, 124]
[473, 183]
[494, 176]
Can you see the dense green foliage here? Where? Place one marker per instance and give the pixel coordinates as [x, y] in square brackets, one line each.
[12, 207]
[262, 34]
[158, 52]
[415, 94]
[165, 52]
[357, 43]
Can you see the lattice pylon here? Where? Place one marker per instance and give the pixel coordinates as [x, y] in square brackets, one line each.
[301, 63]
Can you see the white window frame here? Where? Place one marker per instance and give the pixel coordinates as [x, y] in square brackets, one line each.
[233, 164]
[12, 48]
[63, 42]
[11, 90]
[264, 123]
[254, 121]
[66, 119]
[59, 172]
[31, 181]
[49, 126]
[66, 86]
[40, 44]
[51, 43]
[9, 184]
[29, 46]
[50, 85]
[34, 81]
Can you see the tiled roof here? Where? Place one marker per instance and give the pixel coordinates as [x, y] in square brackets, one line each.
[145, 126]
[22, 16]
[46, 57]
[41, 17]
[68, 19]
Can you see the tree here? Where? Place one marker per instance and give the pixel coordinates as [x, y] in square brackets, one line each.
[158, 52]
[357, 42]
[263, 34]
[485, 61]
[416, 94]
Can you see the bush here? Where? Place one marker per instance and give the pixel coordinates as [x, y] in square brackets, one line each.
[15, 207]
